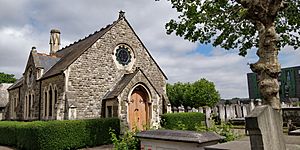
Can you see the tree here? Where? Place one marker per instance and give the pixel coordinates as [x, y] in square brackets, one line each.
[7, 78]
[175, 93]
[244, 24]
[204, 93]
[199, 93]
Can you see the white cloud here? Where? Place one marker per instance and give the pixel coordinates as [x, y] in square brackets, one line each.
[27, 23]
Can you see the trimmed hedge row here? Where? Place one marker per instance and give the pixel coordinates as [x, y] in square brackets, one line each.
[56, 135]
[189, 120]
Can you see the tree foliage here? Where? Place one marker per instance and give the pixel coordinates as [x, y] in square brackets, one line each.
[7, 78]
[243, 24]
[226, 23]
[199, 93]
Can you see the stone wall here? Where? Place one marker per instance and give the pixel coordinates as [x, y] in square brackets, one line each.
[58, 83]
[94, 73]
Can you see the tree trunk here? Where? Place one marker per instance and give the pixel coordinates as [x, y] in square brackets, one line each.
[262, 14]
[268, 67]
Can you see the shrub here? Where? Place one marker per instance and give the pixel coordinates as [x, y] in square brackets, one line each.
[68, 134]
[127, 141]
[225, 129]
[182, 121]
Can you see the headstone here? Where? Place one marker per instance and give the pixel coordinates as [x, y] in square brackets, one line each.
[258, 102]
[238, 111]
[175, 109]
[194, 110]
[244, 110]
[189, 109]
[283, 105]
[264, 125]
[200, 109]
[207, 117]
[222, 113]
[252, 106]
[233, 112]
[181, 109]
[228, 112]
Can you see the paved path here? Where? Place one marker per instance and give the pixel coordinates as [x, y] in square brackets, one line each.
[292, 143]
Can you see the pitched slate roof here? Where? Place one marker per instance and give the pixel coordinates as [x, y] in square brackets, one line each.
[70, 53]
[119, 87]
[17, 84]
[44, 61]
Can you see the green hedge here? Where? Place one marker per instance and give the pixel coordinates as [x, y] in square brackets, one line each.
[179, 121]
[57, 135]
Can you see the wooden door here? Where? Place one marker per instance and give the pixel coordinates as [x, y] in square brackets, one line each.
[138, 115]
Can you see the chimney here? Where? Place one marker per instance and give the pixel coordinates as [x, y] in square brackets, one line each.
[54, 40]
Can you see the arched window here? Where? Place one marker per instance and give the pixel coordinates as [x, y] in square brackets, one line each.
[55, 96]
[25, 107]
[28, 106]
[45, 104]
[50, 101]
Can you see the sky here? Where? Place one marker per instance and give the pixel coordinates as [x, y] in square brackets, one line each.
[27, 23]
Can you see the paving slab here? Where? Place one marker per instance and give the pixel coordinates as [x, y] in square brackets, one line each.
[292, 143]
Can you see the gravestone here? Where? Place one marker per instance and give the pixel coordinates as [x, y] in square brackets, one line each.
[264, 125]
[244, 110]
[181, 109]
[252, 106]
[207, 117]
[200, 109]
[238, 111]
[228, 112]
[222, 112]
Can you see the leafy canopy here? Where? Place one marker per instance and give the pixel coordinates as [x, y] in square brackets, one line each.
[7, 78]
[199, 93]
[224, 23]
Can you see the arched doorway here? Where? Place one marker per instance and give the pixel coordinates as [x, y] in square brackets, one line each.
[139, 108]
